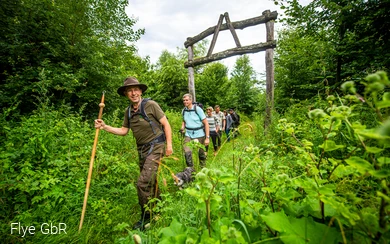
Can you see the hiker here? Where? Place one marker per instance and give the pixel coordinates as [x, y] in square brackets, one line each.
[214, 129]
[236, 121]
[196, 129]
[229, 123]
[151, 130]
[221, 122]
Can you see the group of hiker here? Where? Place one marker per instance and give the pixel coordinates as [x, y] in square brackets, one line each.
[153, 135]
[199, 126]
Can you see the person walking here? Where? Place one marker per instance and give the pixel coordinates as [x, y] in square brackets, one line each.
[214, 129]
[196, 128]
[236, 122]
[229, 123]
[221, 119]
[151, 130]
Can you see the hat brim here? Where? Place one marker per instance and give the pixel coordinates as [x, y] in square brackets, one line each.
[121, 90]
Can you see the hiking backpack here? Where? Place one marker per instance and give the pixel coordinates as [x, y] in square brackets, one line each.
[236, 119]
[141, 112]
[194, 105]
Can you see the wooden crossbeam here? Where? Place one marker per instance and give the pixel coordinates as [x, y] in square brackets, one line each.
[215, 36]
[231, 52]
[267, 16]
[232, 30]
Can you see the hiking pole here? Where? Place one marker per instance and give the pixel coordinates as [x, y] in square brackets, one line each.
[101, 105]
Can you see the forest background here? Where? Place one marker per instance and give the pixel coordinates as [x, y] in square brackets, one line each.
[58, 56]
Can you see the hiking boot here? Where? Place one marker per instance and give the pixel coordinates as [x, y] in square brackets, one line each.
[140, 224]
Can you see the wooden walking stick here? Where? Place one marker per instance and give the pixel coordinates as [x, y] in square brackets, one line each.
[101, 105]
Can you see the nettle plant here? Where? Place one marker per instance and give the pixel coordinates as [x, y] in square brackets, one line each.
[216, 224]
[336, 186]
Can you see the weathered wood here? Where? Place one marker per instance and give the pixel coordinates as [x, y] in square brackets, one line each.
[269, 26]
[215, 36]
[232, 30]
[267, 16]
[269, 66]
[191, 78]
[231, 52]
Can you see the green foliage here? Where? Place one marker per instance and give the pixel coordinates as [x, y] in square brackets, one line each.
[327, 43]
[171, 80]
[320, 175]
[44, 162]
[301, 230]
[211, 85]
[78, 48]
[335, 168]
[244, 87]
[298, 62]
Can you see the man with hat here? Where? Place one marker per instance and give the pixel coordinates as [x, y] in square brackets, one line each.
[150, 132]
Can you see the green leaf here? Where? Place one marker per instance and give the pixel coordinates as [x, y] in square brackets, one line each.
[288, 194]
[386, 96]
[327, 189]
[360, 164]
[383, 161]
[380, 194]
[371, 133]
[175, 233]
[310, 231]
[373, 150]
[267, 189]
[330, 145]
[193, 192]
[226, 179]
[383, 104]
[382, 173]
[302, 230]
[244, 227]
[380, 133]
[277, 221]
[342, 171]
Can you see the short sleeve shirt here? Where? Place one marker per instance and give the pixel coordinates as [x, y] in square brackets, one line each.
[193, 120]
[142, 130]
[220, 117]
[212, 120]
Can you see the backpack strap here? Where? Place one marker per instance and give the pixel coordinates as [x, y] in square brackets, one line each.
[142, 112]
[190, 110]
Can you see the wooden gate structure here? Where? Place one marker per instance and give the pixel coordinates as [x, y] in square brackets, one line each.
[268, 18]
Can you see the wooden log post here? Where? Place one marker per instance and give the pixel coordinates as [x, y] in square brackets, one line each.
[231, 52]
[232, 30]
[269, 64]
[215, 36]
[191, 77]
[268, 18]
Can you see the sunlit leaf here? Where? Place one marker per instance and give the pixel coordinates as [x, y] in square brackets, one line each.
[382, 173]
[373, 149]
[330, 145]
[383, 161]
[360, 164]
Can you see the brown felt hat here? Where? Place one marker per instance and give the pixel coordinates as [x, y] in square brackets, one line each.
[128, 82]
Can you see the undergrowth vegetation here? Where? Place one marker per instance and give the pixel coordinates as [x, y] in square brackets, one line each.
[319, 174]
